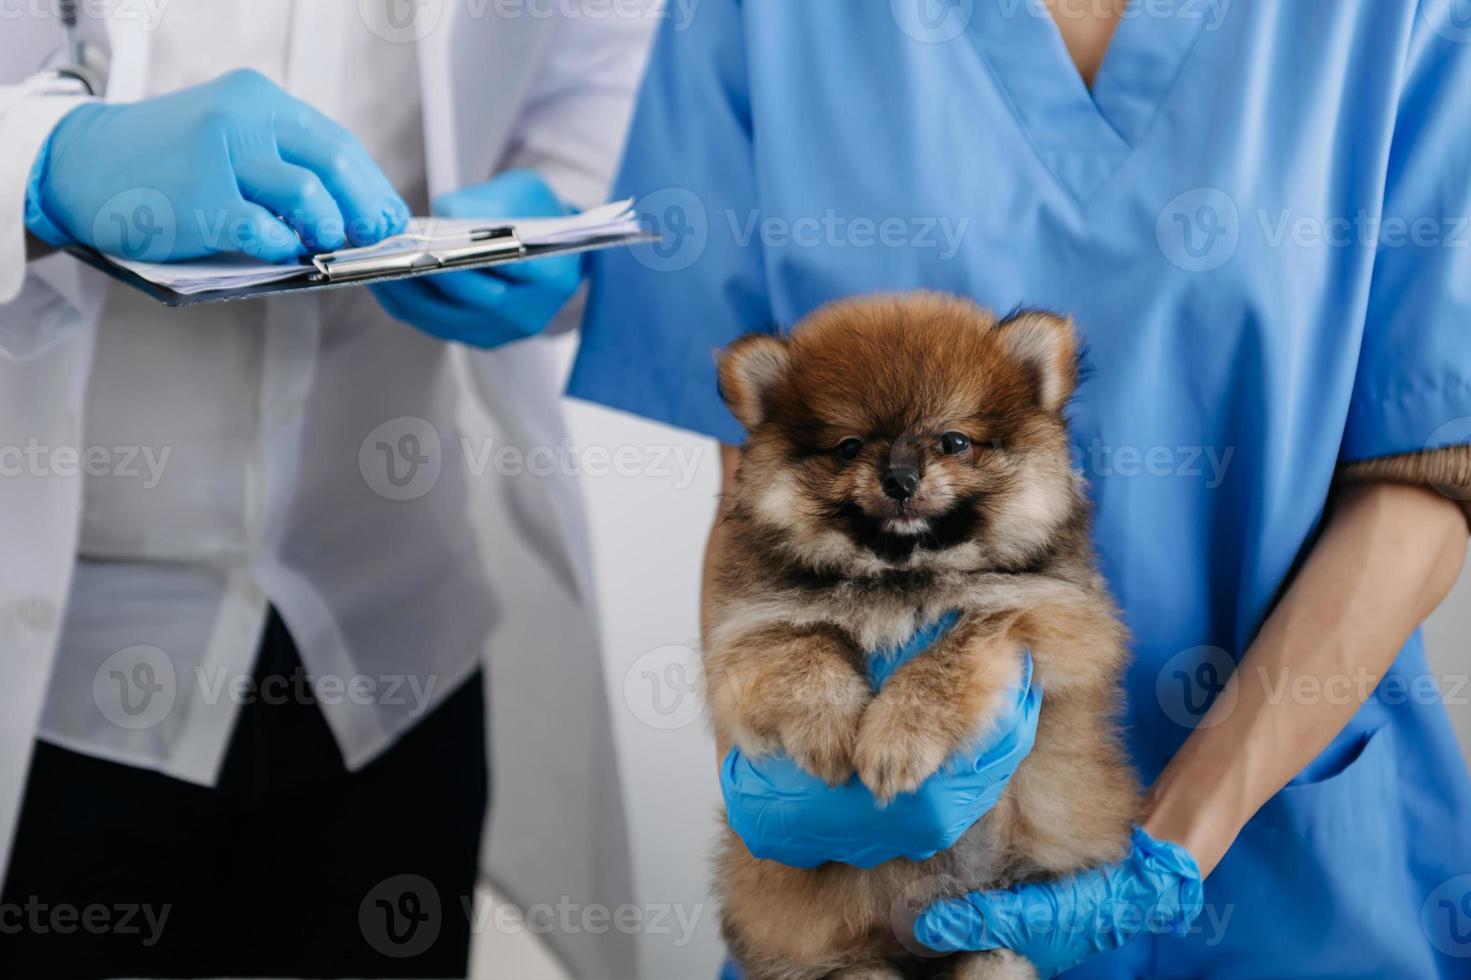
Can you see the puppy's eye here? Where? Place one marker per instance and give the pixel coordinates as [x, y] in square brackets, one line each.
[849, 449]
[954, 443]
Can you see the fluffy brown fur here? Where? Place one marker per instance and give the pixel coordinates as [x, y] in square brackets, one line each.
[818, 564]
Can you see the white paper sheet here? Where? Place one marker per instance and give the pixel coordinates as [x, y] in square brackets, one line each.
[221, 272]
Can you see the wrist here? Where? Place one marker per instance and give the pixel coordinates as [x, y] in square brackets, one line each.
[1201, 819]
[38, 220]
[1176, 878]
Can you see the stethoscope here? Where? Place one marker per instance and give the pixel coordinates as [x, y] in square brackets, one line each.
[81, 62]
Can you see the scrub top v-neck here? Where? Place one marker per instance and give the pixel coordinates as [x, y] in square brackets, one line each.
[1257, 217]
[1082, 135]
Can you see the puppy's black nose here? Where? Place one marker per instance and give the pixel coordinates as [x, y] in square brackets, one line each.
[901, 482]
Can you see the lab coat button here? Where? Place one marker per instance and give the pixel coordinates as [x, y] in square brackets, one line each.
[37, 612]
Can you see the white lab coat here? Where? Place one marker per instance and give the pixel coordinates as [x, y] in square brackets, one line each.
[491, 85]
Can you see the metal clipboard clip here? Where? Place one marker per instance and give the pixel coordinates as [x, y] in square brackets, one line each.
[404, 254]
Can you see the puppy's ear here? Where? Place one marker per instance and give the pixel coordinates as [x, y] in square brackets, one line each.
[748, 370]
[1047, 345]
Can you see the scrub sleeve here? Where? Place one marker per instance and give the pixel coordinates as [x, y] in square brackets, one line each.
[657, 314]
[1412, 391]
[1410, 415]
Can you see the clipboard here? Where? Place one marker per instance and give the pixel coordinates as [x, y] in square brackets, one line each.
[344, 268]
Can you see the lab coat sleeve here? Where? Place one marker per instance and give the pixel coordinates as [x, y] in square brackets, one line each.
[576, 111]
[575, 117]
[32, 315]
[657, 314]
[569, 129]
[1412, 391]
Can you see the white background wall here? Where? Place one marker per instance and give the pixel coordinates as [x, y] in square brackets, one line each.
[648, 537]
[648, 534]
[1448, 637]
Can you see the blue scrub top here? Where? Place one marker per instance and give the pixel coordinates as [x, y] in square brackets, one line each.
[1258, 217]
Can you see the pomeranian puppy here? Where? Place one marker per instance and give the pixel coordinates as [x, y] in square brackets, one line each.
[906, 456]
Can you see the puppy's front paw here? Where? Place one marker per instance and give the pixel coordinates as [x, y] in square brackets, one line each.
[820, 731]
[898, 748]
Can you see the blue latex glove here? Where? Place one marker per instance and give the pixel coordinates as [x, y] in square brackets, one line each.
[785, 814]
[489, 307]
[233, 165]
[1059, 924]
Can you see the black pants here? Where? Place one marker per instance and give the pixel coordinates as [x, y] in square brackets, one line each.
[291, 866]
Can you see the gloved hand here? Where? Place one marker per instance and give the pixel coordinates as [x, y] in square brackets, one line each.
[785, 814]
[489, 307]
[233, 165]
[1059, 924]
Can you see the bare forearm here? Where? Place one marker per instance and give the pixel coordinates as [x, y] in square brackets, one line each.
[1387, 556]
